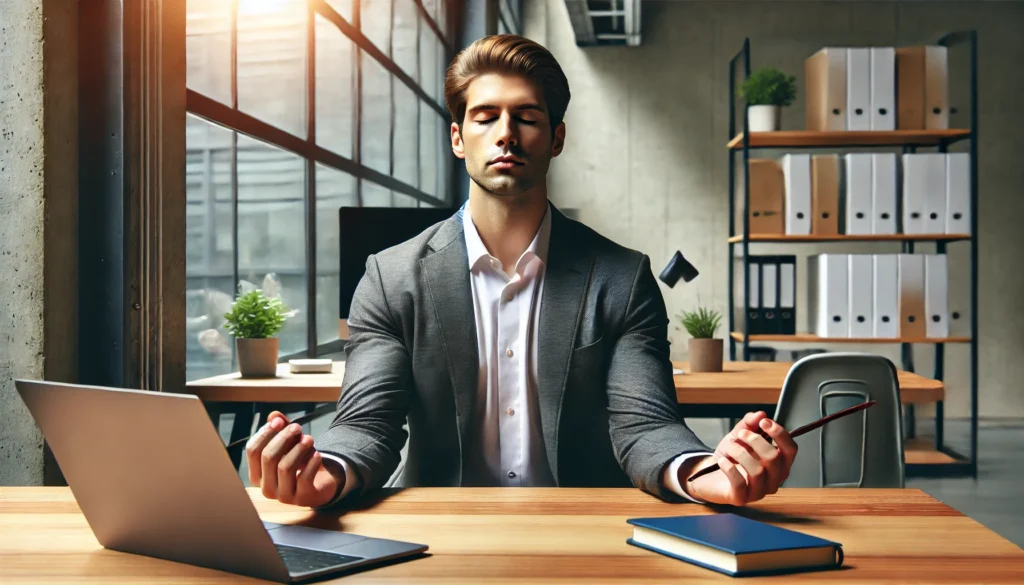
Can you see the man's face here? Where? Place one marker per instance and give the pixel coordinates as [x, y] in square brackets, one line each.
[506, 137]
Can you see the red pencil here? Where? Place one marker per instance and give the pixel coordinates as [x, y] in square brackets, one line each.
[804, 429]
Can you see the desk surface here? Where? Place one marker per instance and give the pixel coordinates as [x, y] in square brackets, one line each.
[519, 535]
[739, 383]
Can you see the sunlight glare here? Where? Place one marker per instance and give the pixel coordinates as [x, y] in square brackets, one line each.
[253, 7]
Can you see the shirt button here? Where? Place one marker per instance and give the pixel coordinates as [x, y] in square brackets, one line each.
[511, 474]
[508, 352]
[510, 411]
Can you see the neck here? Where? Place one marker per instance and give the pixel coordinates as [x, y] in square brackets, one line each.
[507, 224]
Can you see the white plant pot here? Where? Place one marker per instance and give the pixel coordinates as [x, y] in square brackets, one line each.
[764, 118]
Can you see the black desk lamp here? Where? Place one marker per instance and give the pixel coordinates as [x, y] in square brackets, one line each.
[678, 266]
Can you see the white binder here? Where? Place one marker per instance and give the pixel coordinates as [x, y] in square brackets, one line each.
[885, 296]
[958, 193]
[796, 172]
[769, 298]
[924, 193]
[827, 307]
[935, 221]
[883, 88]
[936, 80]
[857, 193]
[859, 296]
[883, 193]
[858, 88]
[911, 297]
[936, 296]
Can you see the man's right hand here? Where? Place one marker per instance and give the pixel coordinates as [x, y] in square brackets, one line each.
[286, 466]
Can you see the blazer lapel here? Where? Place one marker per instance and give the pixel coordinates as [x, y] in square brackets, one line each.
[565, 283]
[447, 277]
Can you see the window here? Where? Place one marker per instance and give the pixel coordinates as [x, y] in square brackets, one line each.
[295, 109]
[510, 17]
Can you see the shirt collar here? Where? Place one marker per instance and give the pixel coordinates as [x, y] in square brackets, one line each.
[476, 250]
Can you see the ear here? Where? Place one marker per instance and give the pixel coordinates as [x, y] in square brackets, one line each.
[558, 141]
[457, 147]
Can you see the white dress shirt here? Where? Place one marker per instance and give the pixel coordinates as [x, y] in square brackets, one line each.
[508, 449]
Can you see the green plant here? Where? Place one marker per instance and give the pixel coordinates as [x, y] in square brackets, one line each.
[702, 323]
[254, 315]
[768, 86]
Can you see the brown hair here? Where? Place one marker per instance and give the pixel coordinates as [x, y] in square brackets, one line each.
[509, 54]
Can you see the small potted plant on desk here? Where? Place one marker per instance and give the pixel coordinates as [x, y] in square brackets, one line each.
[766, 91]
[254, 320]
[705, 350]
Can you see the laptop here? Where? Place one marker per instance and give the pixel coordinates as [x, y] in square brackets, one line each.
[153, 478]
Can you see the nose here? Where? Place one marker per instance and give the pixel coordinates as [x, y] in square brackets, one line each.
[506, 131]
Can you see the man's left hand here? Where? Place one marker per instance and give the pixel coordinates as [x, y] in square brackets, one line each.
[751, 467]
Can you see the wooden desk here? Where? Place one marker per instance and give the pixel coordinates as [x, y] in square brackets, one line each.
[741, 383]
[524, 535]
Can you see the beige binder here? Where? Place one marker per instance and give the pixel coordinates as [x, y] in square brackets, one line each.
[825, 82]
[911, 299]
[767, 197]
[825, 194]
[922, 88]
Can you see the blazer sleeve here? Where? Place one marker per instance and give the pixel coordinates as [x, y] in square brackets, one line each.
[647, 430]
[367, 430]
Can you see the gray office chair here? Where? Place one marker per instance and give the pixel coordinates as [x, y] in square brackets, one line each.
[864, 449]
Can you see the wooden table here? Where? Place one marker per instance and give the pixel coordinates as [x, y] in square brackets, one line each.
[556, 535]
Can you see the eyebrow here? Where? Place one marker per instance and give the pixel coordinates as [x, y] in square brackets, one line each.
[485, 107]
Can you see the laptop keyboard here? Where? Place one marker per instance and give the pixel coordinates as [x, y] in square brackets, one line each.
[304, 560]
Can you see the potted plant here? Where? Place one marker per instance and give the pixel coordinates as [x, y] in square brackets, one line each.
[766, 91]
[254, 320]
[705, 350]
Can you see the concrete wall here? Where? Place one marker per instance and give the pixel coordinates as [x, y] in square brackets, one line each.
[38, 206]
[645, 160]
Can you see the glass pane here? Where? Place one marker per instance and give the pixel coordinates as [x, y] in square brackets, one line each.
[442, 17]
[342, 7]
[272, 231]
[403, 200]
[442, 65]
[375, 137]
[502, 29]
[208, 248]
[272, 62]
[335, 80]
[334, 189]
[375, 20]
[431, 69]
[428, 149]
[208, 48]
[375, 195]
[403, 43]
[406, 130]
[444, 159]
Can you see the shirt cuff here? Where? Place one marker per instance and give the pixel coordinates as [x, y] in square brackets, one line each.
[671, 477]
[351, 479]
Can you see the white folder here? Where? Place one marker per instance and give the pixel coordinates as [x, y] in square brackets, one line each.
[769, 298]
[858, 88]
[885, 296]
[923, 179]
[828, 309]
[857, 193]
[860, 296]
[883, 88]
[796, 172]
[936, 296]
[936, 80]
[754, 288]
[911, 297]
[883, 193]
[958, 193]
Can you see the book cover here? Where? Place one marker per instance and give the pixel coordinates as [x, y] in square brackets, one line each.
[735, 545]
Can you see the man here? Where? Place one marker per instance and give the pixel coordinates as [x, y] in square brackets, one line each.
[522, 347]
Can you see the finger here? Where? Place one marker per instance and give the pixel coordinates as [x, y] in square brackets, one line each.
[751, 466]
[787, 446]
[736, 481]
[254, 447]
[272, 453]
[750, 421]
[305, 478]
[770, 459]
[289, 466]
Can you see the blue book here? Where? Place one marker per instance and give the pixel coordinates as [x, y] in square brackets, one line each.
[735, 545]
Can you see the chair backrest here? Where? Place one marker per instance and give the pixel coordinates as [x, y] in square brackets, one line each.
[864, 449]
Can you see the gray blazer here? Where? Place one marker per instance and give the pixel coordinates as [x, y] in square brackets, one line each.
[607, 400]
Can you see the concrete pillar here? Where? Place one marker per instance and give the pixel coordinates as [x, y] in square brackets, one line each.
[38, 210]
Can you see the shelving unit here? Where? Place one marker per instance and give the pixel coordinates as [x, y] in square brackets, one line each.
[922, 459]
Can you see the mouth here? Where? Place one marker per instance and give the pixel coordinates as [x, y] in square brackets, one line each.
[505, 162]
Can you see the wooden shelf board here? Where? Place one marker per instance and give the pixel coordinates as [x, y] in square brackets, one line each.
[810, 338]
[812, 139]
[921, 451]
[797, 239]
